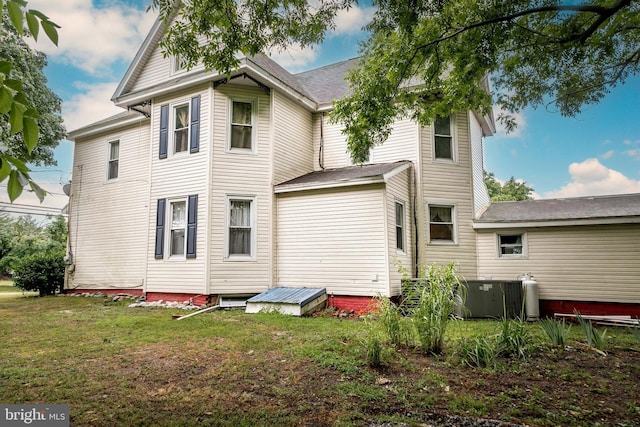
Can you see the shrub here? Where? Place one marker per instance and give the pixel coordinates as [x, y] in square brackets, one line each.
[41, 271]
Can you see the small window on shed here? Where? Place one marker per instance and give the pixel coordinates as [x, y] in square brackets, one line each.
[511, 245]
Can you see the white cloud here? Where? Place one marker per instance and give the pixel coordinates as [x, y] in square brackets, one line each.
[592, 178]
[352, 20]
[634, 154]
[609, 154]
[92, 38]
[90, 104]
[28, 203]
[295, 57]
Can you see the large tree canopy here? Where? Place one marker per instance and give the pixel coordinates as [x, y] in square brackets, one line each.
[28, 67]
[537, 52]
[22, 118]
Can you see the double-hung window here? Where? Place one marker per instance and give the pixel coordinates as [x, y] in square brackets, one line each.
[511, 245]
[176, 226]
[180, 128]
[241, 126]
[241, 228]
[400, 233]
[114, 159]
[443, 139]
[441, 224]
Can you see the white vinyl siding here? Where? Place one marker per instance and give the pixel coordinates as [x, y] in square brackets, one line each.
[402, 144]
[450, 184]
[399, 188]
[98, 212]
[157, 70]
[480, 194]
[240, 173]
[293, 153]
[177, 179]
[334, 239]
[574, 263]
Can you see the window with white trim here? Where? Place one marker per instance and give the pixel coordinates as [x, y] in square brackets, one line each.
[176, 65]
[443, 148]
[241, 133]
[181, 128]
[241, 230]
[178, 227]
[400, 233]
[511, 245]
[442, 224]
[114, 159]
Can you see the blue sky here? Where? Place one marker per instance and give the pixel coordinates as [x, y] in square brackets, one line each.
[596, 153]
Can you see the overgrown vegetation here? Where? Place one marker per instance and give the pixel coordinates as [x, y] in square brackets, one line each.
[555, 330]
[115, 365]
[593, 336]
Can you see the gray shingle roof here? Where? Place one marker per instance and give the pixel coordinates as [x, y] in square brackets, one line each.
[343, 175]
[327, 84]
[626, 205]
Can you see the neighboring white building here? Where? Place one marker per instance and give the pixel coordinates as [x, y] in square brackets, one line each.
[213, 185]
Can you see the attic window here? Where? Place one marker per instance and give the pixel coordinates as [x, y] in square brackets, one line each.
[177, 65]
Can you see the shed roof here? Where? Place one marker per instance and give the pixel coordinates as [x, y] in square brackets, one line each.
[593, 208]
[350, 175]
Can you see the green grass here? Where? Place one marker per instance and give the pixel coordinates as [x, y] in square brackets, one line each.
[116, 365]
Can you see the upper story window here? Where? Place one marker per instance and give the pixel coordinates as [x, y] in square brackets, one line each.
[179, 128]
[400, 233]
[443, 147]
[511, 245]
[114, 159]
[242, 126]
[441, 224]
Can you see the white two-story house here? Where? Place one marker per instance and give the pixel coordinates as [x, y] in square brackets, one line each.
[214, 185]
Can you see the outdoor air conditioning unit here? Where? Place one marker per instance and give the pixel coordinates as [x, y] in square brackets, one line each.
[492, 298]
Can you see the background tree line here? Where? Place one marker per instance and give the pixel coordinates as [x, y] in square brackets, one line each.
[32, 254]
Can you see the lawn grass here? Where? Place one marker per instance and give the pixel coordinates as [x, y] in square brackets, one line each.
[116, 365]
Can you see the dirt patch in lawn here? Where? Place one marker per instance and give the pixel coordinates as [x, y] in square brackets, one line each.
[221, 386]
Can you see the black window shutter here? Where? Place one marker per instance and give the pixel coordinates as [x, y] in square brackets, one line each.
[194, 143]
[192, 225]
[164, 131]
[160, 228]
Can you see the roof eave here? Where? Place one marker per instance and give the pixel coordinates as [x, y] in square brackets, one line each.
[290, 188]
[482, 225]
[105, 126]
